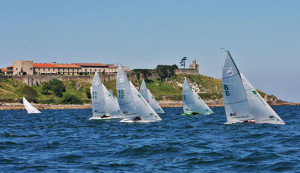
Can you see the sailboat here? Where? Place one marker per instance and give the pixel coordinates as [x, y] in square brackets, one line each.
[103, 105]
[260, 109]
[112, 104]
[150, 99]
[30, 109]
[192, 103]
[241, 101]
[132, 103]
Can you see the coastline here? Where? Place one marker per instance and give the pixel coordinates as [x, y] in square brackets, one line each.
[166, 103]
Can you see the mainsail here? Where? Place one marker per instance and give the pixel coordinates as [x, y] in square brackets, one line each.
[98, 98]
[145, 111]
[259, 108]
[104, 105]
[132, 102]
[124, 95]
[112, 106]
[150, 98]
[192, 103]
[234, 95]
[30, 109]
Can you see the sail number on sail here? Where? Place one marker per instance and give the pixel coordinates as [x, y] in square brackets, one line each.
[226, 90]
[94, 95]
[121, 94]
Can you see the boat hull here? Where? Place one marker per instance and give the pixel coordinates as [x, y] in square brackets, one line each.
[105, 118]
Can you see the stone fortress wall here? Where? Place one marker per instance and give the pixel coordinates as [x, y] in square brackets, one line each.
[33, 80]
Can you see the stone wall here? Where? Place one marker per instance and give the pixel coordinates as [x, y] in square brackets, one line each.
[32, 80]
[187, 71]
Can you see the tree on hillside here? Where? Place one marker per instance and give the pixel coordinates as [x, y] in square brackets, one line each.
[182, 61]
[57, 87]
[138, 75]
[46, 87]
[172, 69]
[162, 72]
[30, 93]
[88, 93]
[166, 71]
[71, 99]
[146, 73]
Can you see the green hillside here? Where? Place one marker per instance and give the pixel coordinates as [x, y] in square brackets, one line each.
[210, 88]
[12, 91]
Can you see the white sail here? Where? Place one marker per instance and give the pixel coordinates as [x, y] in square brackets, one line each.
[132, 102]
[112, 93]
[259, 108]
[235, 100]
[124, 95]
[113, 107]
[98, 98]
[145, 111]
[192, 103]
[150, 98]
[30, 109]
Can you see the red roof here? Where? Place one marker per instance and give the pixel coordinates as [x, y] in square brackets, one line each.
[91, 64]
[4, 69]
[112, 66]
[67, 66]
[47, 65]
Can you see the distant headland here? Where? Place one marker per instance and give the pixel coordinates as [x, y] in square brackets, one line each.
[67, 86]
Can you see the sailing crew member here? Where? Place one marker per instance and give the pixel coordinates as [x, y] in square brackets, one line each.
[137, 119]
[105, 116]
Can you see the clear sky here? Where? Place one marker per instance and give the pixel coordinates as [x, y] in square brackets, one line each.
[263, 36]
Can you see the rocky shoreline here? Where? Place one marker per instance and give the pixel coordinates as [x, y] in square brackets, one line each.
[165, 103]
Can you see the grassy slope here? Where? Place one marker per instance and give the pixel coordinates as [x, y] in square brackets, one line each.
[10, 92]
[210, 88]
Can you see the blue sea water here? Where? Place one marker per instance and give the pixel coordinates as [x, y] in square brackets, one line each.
[66, 141]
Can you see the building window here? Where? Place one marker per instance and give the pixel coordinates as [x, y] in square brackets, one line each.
[43, 69]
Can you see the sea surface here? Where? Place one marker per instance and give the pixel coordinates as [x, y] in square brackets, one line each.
[66, 141]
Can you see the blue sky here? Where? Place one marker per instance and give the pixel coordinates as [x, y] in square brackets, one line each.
[263, 36]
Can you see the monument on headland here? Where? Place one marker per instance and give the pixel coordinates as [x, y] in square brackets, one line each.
[193, 70]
